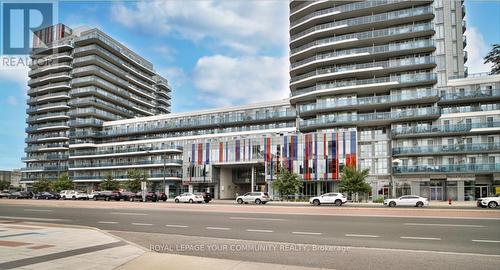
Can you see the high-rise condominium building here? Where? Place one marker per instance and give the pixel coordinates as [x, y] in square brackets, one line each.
[79, 79]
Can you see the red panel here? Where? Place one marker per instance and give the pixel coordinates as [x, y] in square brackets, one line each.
[221, 151]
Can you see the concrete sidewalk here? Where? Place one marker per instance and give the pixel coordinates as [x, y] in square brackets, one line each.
[151, 260]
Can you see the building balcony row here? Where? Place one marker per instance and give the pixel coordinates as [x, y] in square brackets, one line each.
[384, 101]
[446, 149]
[46, 137]
[51, 59]
[361, 23]
[369, 119]
[362, 85]
[368, 53]
[385, 35]
[56, 106]
[49, 97]
[50, 78]
[47, 127]
[45, 157]
[47, 148]
[126, 151]
[55, 68]
[469, 96]
[455, 129]
[47, 117]
[124, 177]
[440, 169]
[127, 164]
[60, 45]
[45, 169]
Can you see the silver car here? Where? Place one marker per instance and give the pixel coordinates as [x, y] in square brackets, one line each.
[254, 197]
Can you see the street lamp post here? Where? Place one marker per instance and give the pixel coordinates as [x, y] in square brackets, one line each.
[164, 172]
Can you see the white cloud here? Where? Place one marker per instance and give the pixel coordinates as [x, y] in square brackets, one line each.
[476, 49]
[175, 76]
[244, 26]
[17, 75]
[224, 81]
[12, 100]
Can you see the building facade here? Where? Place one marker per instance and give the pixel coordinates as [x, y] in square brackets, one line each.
[380, 85]
[79, 79]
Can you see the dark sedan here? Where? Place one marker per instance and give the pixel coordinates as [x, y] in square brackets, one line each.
[20, 195]
[47, 196]
[107, 195]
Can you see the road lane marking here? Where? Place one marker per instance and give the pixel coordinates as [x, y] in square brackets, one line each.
[255, 218]
[142, 224]
[486, 241]
[34, 219]
[128, 214]
[308, 233]
[264, 231]
[107, 222]
[176, 226]
[362, 235]
[420, 238]
[218, 228]
[444, 225]
[38, 210]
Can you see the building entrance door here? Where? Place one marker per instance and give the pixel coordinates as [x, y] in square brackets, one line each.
[482, 191]
[436, 193]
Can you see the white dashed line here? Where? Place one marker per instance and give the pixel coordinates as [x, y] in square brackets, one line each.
[486, 241]
[308, 233]
[128, 214]
[256, 218]
[38, 210]
[142, 224]
[264, 231]
[176, 226]
[34, 219]
[444, 225]
[107, 222]
[362, 235]
[218, 228]
[420, 238]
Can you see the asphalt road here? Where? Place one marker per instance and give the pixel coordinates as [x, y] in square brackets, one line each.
[439, 240]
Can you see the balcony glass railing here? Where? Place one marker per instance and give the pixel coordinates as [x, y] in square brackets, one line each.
[430, 129]
[45, 106]
[47, 157]
[52, 125]
[405, 78]
[91, 100]
[366, 117]
[64, 65]
[366, 35]
[379, 64]
[465, 109]
[446, 149]
[386, 99]
[86, 122]
[425, 43]
[382, 17]
[124, 176]
[45, 168]
[126, 150]
[463, 168]
[46, 146]
[61, 95]
[42, 117]
[471, 94]
[131, 163]
[49, 76]
[341, 8]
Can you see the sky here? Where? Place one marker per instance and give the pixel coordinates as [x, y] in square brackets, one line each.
[214, 53]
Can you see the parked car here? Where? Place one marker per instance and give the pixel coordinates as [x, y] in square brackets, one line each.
[107, 195]
[73, 195]
[255, 197]
[20, 195]
[407, 200]
[207, 197]
[4, 194]
[329, 198]
[491, 202]
[47, 196]
[162, 196]
[189, 197]
[91, 194]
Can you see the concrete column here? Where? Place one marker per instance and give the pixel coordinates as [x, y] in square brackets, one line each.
[460, 190]
[190, 188]
[415, 188]
[167, 189]
[252, 189]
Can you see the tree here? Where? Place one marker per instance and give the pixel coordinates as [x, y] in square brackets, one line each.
[62, 183]
[109, 183]
[494, 57]
[4, 185]
[353, 181]
[41, 185]
[287, 183]
[135, 178]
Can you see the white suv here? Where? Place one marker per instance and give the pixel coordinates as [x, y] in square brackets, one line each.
[329, 198]
[73, 195]
[491, 202]
[255, 197]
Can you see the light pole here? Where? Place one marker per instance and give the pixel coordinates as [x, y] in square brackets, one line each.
[164, 172]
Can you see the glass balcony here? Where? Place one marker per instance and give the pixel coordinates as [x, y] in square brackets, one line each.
[426, 43]
[60, 66]
[470, 94]
[462, 168]
[446, 149]
[354, 67]
[157, 149]
[346, 119]
[124, 176]
[168, 162]
[465, 109]
[86, 122]
[405, 78]
[51, 96]
[47, 157]
[366, 35]
[362, 101]
[430, 129]
[60, 44]
[47, 147]
[50, 59]
[381, 17]
[47, 116]
[56, 105]
[49, 77]
[48, 126]
[51, 136]
[45, 168]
